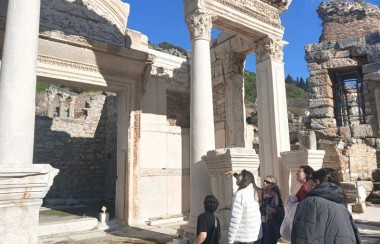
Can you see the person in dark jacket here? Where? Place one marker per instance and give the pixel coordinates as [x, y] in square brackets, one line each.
[322, 217]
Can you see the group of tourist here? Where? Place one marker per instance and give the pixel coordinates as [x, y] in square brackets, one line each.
[316, 214]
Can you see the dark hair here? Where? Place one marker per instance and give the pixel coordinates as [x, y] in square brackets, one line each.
[249, 178]
[307, 169]
[332, 176]
[326, 175]
[211, 203]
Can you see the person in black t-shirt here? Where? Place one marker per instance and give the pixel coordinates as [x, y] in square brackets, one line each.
[208, 225]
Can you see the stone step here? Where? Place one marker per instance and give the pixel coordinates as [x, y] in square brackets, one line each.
[67, 226]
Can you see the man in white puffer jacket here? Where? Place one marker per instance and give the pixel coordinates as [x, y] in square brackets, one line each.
[245, 224]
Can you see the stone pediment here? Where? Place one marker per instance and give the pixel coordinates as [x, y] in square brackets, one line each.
[102, 20]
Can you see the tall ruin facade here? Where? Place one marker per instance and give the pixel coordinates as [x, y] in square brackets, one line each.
[172, 112]
[344, 87]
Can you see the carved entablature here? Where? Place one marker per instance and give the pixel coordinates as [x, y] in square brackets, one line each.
[265, 10]
[199, 25]
[170, 75]
[102, 20]
[269, 48]
[256, 9]
[281, 5]
[63, 69]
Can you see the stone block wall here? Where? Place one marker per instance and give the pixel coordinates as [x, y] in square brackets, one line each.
[350, 41]
[353, 162]
[178, 108]
[83, 148]
[343, 19]
[362, 160]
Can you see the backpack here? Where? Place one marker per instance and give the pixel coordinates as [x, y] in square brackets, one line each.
[215, 234]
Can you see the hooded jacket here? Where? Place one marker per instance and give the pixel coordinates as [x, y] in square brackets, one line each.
[245, 224]
[322, 217]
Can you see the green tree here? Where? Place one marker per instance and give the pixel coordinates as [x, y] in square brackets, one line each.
[289, 79]
[302, 84]
[250, 93]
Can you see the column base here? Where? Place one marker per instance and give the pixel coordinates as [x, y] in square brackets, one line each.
[21, 191]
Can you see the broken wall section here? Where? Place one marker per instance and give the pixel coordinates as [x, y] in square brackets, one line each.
[343, 87]
[82, 146]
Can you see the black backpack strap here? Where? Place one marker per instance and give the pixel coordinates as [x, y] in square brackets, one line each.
[213, 237]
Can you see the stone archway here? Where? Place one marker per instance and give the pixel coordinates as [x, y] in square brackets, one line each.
[259, 23]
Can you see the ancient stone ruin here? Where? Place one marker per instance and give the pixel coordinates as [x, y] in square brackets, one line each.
[74, 133]
[344, 95]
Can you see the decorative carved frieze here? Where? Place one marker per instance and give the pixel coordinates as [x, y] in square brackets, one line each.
[51, 66]
[67, 38]
[269, 48]
[170, 75]
[85, 18]
[256, 9]
[281, 5]
[199, 25]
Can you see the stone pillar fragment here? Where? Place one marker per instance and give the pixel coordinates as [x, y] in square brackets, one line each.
[272, 109]
[223, 160]
[293, 160]
[233, 66]
[202, 134]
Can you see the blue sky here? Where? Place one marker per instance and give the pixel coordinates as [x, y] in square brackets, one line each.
[163, 20]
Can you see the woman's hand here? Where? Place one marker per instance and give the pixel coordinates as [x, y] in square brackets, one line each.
[229, 173]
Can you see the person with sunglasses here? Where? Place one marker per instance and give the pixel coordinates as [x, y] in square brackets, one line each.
[272, 210]
[245, 224]
[323, 217]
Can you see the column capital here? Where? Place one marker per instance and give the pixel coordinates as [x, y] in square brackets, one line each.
[270, 48]
[199, 24]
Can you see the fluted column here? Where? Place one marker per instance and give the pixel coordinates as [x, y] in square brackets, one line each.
[202, 135]
[272, 108]
[18, 82]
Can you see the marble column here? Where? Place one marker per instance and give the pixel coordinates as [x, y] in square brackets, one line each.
[23, 184]
[272, 108]
[202, 135]
[18, 82]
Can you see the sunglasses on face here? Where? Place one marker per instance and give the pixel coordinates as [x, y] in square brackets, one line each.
[267, 182]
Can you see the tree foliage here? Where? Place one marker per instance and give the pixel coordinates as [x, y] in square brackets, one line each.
[295, 92]
[250, 93]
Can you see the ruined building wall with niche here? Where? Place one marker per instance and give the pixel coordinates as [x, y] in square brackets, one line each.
[75, 134]
[86, 44]
[344, 77]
